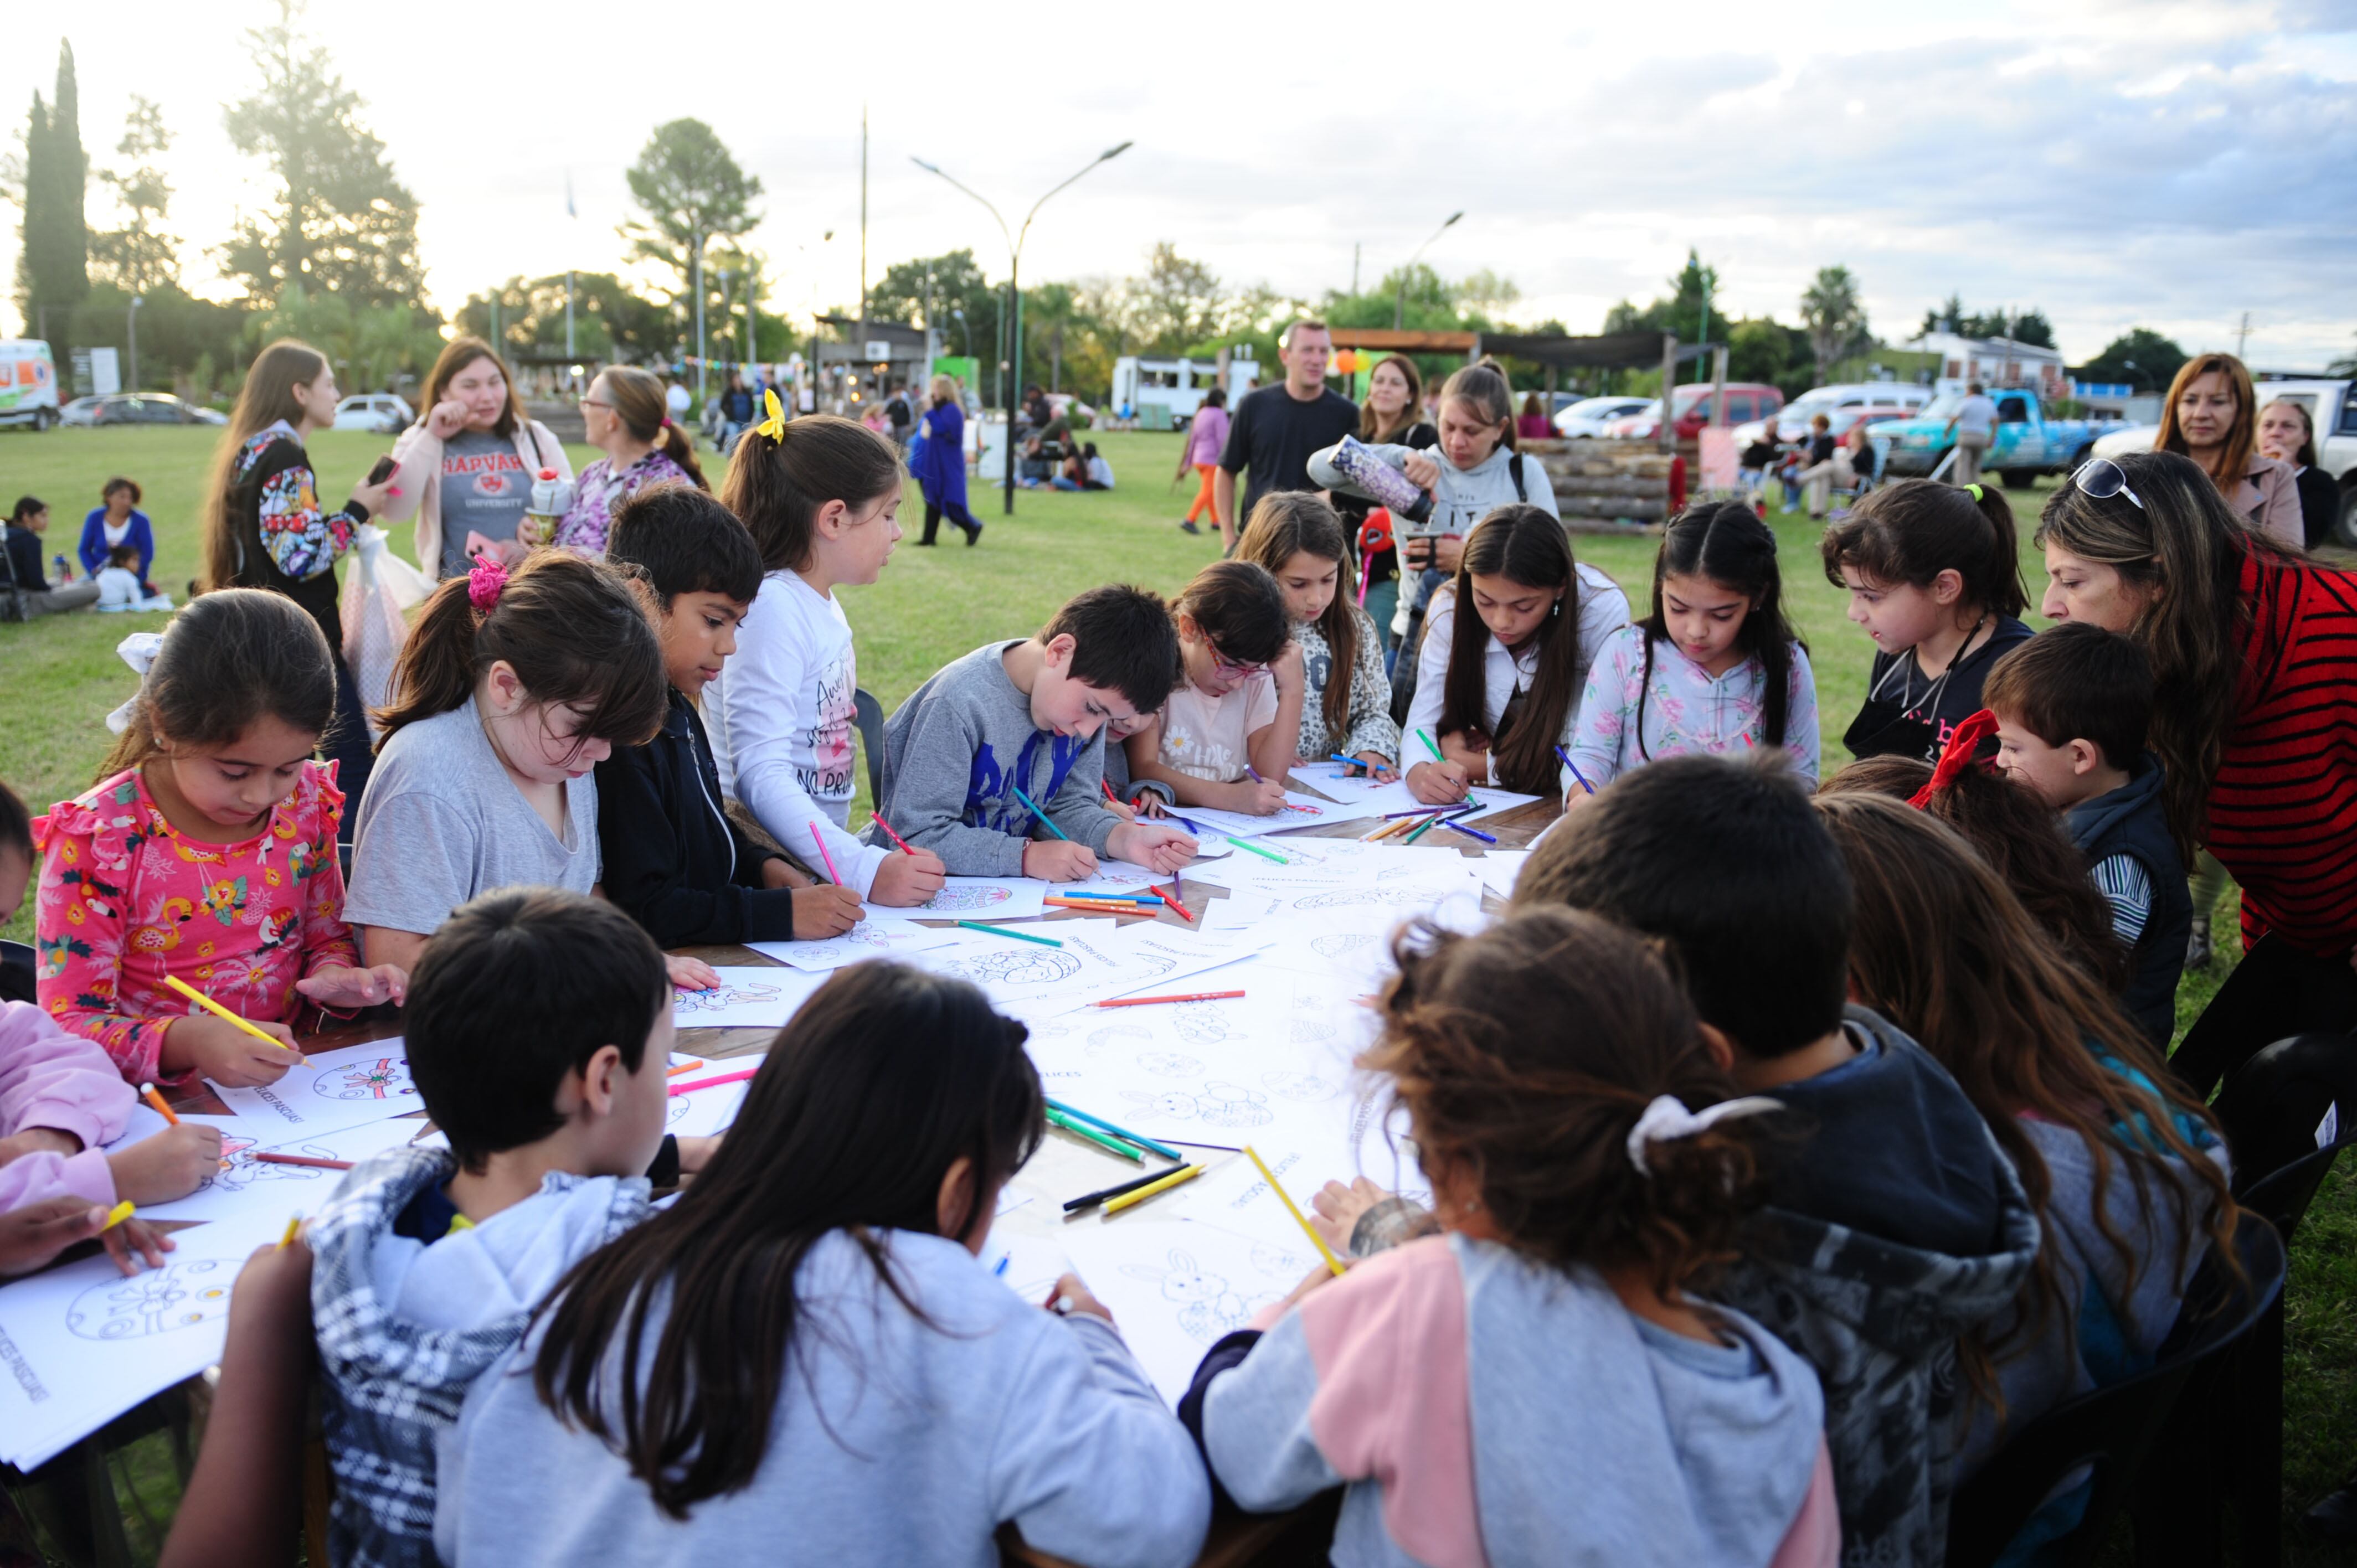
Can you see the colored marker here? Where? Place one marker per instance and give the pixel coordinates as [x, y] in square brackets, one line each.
[714, 1082]
[1263, 853]
[119, 1213]
[1351, 762]
[1077, 1115]
[1003, 932]
[1575, 773]
[268, 1158]
[1132, 1199]
[1118, 897]
[226, 1016]
[1091, 1199]
[147, 1092]
[1106, 786]
[896, 838]
[832, 873]
[1285, 1197]
[1031, 806]
[1101, 906]
[1455, 826]
[1190, 823]
[1101, 1140]
[1171, 899]
[1430, 745]
[1190, 997]
[1000, 1271]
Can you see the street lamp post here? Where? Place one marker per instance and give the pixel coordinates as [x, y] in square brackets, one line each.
[700, 237]
[1399, 302]
[131, 318]
[1012, 366]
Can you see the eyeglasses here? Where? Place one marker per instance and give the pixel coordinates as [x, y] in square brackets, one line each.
[1229, 667]
[2100, 478]
[595, 403]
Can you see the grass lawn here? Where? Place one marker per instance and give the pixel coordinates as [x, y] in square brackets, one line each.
[59, 677]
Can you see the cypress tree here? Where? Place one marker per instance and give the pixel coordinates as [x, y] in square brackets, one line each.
[52, 269]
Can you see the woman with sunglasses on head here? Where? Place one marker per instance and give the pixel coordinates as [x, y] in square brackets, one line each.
[2253, 649]
[2288, 434]
[2212, 416]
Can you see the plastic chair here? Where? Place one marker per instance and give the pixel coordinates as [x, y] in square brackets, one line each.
[17, 973]
[2109, 1432]
[2293, 1100]
[868, 715]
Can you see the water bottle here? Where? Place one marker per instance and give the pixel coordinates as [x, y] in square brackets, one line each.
[1379, 481]
[64, 569]
[552, 497]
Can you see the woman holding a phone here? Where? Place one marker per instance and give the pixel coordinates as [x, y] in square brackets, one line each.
[265, 528]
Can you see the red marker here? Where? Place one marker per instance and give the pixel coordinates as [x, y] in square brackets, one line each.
[896, 838]
[1191, 996]
[713, 1082]
[1170, 898]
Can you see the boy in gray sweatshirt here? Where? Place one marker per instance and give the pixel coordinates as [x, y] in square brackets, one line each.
[1018, 721]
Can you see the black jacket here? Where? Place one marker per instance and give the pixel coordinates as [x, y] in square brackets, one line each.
[2130, 821]
[673, 859]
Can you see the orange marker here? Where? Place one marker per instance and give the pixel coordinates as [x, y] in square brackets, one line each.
[147, 1092]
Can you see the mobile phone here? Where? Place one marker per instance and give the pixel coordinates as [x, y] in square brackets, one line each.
[385, 469]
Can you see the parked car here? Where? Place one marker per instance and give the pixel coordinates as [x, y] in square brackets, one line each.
[82, 411]
[28, 383]
[1691, 410]
[382, 412]
[1839, 422]
[1792, 424]
[1590, 416]
[2331, 407]
[2025, 444]
[153, 408]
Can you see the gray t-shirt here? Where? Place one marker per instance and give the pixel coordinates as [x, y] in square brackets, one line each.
[442, 823]
[1975, 418]
[485, 488]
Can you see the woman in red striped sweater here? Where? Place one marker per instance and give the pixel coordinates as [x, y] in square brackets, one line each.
[2254, 648]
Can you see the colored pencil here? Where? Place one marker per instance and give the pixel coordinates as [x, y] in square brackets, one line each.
[714, 1082]
[1091, 1199]
[1000, 1271]
[1118, 897]
[896, 838]
[1077, 1115]
[1422, 827]
[1285, 805]
[1575, 773]
[1106, 785]
[1171, 899]
[1430, 745]
[1419, 812]
[1298, 1218]
[1190, 997]
[303, 1160]
[832, 873]
[1190, 823]
[119, 1213]
[1131, 1199]
[683, 1066]
[147, 1092]
[1351, 762]
[1455, 826]
[1100, 905]
[226, 1016]
[294, 1228]
[1003, 932]
[1032, 806]
[1263, 853]
[1103, 1140]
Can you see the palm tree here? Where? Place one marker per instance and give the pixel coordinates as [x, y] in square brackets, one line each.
[1054, 308]
[1835, 318]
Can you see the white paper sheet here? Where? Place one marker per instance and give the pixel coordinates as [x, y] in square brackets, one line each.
[1363, 798]
[245, 1187]
[1028, 980]
[1499, 868]
[706, 1111]
[1174, 1287]
[1312, 812]
[876, 937]
[82, 1343]
[973, 898]
[358, 1083]
[747, 998]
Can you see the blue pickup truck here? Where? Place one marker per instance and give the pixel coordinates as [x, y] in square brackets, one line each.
[2026, 443]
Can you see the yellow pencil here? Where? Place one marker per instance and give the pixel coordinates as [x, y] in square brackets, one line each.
[294, 1228]
[1324, 1252]
[1184, 1173]
[119, 1213]
[225, 1016]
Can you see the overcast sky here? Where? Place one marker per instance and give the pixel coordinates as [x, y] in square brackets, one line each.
[2172, 165]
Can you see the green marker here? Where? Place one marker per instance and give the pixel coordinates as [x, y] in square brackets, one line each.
[1430, 745]
[1263, 853]
[1003, 932]
[1101, 1140]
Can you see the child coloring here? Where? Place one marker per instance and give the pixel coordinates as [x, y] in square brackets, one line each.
[807, 1336]
[1935, 580]
[1714, 669]
[1553, 1330]
[207, 853]
[1346, 697]
[1224, 737]
[539, 1032]
[674, 858]
[822, 499]
[1500, 687]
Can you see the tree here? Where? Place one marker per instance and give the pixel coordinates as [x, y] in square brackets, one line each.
[2140, 356]
[2023, 327]
[1833, 318]
[139, 256]
[689, 186]
[1179, 299]
[1682, 312]
[2032, 327]
[368, 345]
[2345, 366]
[1946, 317]
[1757, 351]
[340, 222]
[610, 324]
[53, 263]
[1051, 318]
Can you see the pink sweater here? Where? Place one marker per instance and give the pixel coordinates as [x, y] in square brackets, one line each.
[51, 1078]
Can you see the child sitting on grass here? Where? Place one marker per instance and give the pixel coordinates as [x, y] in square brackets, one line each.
[539, 1034]
[2072, 707]
[675, 860]
[1225, 736]
[1018, 721]
[1455, 1383]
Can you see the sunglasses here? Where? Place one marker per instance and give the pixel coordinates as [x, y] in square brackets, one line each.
[2100, 478]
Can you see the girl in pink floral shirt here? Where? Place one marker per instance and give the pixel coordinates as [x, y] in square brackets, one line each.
[1715, 667]
[206, 851]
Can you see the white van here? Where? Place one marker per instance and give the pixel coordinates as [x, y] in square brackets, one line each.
[28, 383]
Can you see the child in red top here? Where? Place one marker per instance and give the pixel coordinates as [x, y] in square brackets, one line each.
[207, 851]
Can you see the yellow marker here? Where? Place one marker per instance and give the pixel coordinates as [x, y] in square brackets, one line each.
[119, 1213]
[1184, 1173]
[294, 1228]
[226, 1016]
[1324, 1252]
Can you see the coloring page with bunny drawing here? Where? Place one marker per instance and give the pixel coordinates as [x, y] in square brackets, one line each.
[1176, 1286]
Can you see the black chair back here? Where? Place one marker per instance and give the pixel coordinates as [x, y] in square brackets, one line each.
[2108, 1432]
[868, 713]
[2292, 1101]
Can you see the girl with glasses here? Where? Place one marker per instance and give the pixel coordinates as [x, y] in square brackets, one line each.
[1225, 737]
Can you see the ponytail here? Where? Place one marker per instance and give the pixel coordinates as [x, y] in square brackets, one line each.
[577, 633]
[1912, 531]
[637, 397]
[1484, 385]
[227, 659]
[780, 477]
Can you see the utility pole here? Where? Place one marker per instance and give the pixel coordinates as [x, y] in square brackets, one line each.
[2241, 334]
[1356, 247]
[132, 322]
[700, 367]
[862, 235]
[569, 317]
[752, 319]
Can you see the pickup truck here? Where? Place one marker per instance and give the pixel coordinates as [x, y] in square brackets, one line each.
[2026, 443]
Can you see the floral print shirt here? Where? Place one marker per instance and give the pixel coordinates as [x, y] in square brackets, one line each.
[1370, 714]
[304, 540]
[125, 898]
[599, 493]
[1686, 710]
